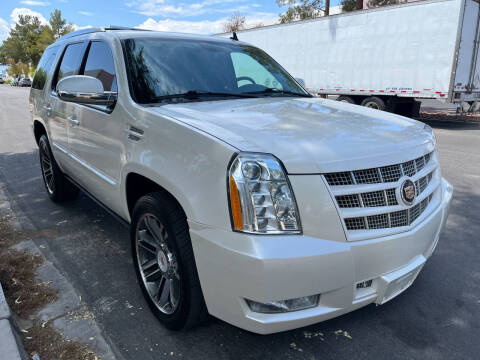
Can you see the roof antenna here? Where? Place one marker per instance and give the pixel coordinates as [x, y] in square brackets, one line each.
[234, 36]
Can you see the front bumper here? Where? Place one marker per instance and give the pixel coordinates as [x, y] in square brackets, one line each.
[233, 267]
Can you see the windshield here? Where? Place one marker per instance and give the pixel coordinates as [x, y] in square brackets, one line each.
[161, 69]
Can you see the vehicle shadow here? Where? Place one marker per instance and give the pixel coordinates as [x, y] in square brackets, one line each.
[436, 317]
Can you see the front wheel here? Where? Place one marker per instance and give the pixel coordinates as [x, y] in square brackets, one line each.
[164, 262]
[59, 188]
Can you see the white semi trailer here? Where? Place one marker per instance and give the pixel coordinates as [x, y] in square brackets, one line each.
[383, 58]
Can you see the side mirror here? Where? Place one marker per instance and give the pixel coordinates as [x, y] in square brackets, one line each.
[83, 89]
[301, 82]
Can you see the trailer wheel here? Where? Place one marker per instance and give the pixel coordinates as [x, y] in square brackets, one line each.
[374, 102]
[347, 99]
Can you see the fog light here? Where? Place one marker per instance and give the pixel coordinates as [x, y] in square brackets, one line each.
[284, 305]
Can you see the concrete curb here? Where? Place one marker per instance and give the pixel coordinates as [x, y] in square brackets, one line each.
[12, 348]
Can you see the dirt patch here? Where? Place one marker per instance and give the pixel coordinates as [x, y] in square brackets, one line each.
[24, 293]
[26, 296]
[448, 116]
[48, 343]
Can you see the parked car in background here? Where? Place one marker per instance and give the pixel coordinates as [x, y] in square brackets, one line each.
[246, 197]
[24, 82]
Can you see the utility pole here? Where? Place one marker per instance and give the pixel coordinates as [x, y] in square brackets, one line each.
[327, 8]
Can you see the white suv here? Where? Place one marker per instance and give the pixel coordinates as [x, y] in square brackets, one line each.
[247, 198]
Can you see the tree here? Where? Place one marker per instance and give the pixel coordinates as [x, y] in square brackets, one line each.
[17, 69]
[235, 23]
[29, 38]
[59, 26]
[348, 5]
[302, 9]
[21, 45]
[378, 3]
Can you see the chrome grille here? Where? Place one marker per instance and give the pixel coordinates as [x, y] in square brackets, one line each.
[348, 201]
[389, 220]
[355, 223]
[379, 198]
[389, 173]
[391, 197]
[409, 168]
[369, 176]
[361, 210]
[374, 198]
[339, 178]
[377, 221]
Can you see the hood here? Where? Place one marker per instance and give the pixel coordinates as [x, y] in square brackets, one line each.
[309, 135]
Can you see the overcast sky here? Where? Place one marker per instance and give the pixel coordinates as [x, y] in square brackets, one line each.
[197, 16]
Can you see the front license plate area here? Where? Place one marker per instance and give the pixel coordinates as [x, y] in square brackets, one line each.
[395, 283]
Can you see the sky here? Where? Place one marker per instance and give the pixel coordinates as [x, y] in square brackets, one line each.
[195, 16]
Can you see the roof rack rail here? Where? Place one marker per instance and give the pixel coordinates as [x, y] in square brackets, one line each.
[102, 29]
[115, 27]
[81, 32]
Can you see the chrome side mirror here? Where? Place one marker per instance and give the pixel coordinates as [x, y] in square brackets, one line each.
[301, 82]
[83, 89]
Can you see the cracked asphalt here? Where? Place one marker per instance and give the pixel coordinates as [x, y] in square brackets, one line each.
[438, 317]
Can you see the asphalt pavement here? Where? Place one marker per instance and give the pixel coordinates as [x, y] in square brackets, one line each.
[438, 317]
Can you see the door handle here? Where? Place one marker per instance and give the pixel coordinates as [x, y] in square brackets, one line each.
[73, 122]
[48, 108]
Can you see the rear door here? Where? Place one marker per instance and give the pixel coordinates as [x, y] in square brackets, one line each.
[60, 113]
[95, 142]
[466, 83]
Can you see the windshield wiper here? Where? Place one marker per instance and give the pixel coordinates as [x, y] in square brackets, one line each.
[194, 94]
[278, 91]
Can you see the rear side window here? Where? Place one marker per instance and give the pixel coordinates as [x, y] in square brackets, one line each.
[43, 68]
[71, 61]
[100, 65]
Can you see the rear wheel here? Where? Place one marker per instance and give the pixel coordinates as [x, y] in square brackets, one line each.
[374, 102]
[347, 99]
[164, 262]
[58, 187]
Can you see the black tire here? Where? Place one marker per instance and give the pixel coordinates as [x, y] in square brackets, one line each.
[374, 102]
[347, 99]
[58, 187]
[190, 309]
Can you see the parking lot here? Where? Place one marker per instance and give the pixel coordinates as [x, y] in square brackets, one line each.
[438, 317]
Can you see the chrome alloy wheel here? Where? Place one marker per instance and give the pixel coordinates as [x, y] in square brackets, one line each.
[47, 167]
[157, 264]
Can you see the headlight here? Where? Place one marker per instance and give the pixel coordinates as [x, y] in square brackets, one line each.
[261, 198]
[429, 129]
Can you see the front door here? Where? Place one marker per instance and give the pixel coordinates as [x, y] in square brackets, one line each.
[95, 140]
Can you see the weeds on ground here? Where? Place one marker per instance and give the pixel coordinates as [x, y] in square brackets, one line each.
[26, 296]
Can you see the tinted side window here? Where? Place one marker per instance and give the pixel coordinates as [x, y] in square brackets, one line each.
[100, 65]
[43, 68]
[70, 62]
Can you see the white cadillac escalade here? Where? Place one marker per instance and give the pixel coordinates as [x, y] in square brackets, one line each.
[247, 198]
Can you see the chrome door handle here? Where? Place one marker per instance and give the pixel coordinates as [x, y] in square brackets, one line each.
[48, 108]
[73, 122]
